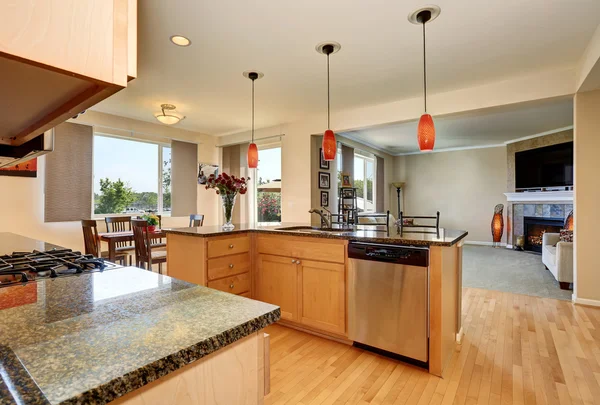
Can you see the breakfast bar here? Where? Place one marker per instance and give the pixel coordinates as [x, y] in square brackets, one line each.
[306, 272]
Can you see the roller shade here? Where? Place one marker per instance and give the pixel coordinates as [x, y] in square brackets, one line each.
[379, 182]
[184, 181]
[68, 174]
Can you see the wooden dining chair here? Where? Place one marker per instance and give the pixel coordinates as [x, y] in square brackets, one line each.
[196, 220]
[91, 241]
[144, 252]
[120, 224]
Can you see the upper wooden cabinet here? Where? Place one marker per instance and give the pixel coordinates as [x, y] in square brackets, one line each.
[60, 57]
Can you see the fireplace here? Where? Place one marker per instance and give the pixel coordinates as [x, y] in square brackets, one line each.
[534, 229]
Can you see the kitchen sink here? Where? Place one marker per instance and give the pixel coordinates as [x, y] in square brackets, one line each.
[313, 230]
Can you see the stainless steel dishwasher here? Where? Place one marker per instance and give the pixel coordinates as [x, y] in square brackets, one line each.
[388, 298]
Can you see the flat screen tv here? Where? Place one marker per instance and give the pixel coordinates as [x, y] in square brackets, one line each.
[550, 166]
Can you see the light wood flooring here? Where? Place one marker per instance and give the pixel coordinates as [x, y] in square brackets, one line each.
[516, 350]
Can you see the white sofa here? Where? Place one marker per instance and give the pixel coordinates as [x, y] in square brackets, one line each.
[557, 256]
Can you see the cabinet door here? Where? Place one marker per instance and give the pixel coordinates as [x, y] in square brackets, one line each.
[323, 296]
[277, 284]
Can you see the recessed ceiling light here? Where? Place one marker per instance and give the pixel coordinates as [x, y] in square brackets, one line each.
[167, 115]
[180, 40]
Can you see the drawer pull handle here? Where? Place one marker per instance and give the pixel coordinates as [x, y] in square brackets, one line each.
[293, 261]
[297, 261]
[231, 266]
[231, 246]
[231, 285]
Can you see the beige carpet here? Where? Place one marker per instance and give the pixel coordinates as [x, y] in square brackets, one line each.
[507, 270]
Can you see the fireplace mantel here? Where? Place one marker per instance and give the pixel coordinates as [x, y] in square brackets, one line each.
[542, 196]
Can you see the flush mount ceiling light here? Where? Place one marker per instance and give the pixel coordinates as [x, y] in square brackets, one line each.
[426, 128]
[167, 115]
[329, 144]
[180, 40]
[252, 155]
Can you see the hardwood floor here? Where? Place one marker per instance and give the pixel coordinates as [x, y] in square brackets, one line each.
[516, 350]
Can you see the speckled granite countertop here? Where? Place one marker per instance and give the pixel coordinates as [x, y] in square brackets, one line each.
[417, 236]
[91, 338]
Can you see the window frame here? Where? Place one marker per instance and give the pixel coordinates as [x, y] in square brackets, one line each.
[254, 208]
[365, 188]
[160, 146]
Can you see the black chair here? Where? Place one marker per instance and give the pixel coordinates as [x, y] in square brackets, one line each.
[375, 216]
[402, 225]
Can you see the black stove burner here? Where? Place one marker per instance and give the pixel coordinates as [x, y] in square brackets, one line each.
[22, 267]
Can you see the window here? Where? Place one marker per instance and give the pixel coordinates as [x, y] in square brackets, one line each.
[364, 181]
[131, 177]
[268, 186]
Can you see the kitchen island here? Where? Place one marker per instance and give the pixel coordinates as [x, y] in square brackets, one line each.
[306, 273]
[129, 336]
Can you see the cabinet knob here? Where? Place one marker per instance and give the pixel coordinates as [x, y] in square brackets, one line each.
[293, 261]
[297, 261]
[231, 266]
[231, 246]
[231, 285]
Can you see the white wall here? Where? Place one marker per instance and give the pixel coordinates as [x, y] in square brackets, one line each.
[22, 201]
[463, 185]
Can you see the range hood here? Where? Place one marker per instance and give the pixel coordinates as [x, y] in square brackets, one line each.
[40, 145]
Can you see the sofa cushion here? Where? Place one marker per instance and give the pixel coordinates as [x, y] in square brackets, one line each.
[566, 235]
[551, 253]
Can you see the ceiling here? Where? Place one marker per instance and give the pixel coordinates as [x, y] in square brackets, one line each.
[492, 126]
[472, 42]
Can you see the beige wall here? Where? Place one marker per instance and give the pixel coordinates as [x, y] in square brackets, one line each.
[587, 195]
[22, 205]
[463, 185]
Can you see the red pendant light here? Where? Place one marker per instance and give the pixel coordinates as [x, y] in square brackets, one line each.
[426, 128]
[252, 156]
[329, 144]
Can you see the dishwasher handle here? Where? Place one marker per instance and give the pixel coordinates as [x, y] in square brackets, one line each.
[406, 255]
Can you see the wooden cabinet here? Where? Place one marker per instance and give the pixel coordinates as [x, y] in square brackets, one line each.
[277, 284]
[322, 289]
[60, 57]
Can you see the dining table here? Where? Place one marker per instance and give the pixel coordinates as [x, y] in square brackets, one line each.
[113, 238]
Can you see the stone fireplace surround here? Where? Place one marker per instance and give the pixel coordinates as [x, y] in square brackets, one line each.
[536, 210]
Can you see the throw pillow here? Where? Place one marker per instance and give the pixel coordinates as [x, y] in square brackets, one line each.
[566, 235]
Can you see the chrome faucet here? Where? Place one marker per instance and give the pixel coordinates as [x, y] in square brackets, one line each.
[324, 219]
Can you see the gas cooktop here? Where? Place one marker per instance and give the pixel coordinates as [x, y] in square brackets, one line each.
[25, 267]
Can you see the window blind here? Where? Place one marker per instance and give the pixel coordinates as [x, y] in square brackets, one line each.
[348, 161]
[68, 174]
[184, 181]
[380, 181]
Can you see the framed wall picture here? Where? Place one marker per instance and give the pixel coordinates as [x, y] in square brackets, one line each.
[324, 198]
[205, 170]
[348, 193]
[323, 164]
[346, 180]
[324, 180]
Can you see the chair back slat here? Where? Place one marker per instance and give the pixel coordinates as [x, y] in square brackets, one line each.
[141, 240]
[90, 237]
[118, 224]
[196, 220]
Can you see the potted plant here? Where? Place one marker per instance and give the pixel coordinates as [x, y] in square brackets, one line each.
[152, 221]
[228, 188]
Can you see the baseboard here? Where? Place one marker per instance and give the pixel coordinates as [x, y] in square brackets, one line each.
[585, 301]
[459, 336]
[481, 243]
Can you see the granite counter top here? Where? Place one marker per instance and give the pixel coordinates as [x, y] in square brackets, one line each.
[91, 338]
[416, 236]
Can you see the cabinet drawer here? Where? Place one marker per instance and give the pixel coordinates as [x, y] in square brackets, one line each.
[319, 249]
[228, 265]
[234, 284]
[228, 246]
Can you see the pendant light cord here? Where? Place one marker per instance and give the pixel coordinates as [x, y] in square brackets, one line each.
[424, 69]
[328, 97]
[252, 110]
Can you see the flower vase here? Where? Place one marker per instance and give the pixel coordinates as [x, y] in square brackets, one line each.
[151, 228]
[228, 202]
